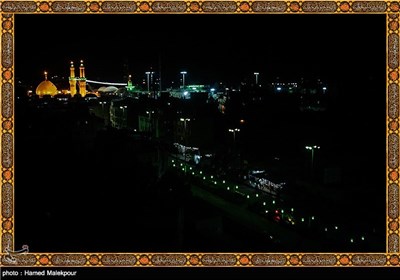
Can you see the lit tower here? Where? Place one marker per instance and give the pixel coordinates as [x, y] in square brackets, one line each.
[130, 87]
[82, 80]
[72, 79]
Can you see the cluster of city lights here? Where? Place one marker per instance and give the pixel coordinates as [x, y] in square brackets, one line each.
[289, 214]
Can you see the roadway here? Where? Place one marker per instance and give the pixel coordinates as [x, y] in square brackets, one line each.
[235, 200]
[249, 219]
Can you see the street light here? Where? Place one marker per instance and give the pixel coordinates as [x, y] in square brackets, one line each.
[102, 103]
[234, 130]
[123, 114]
[310, 219]
[183, 78]
[256, 74]
[184, 120]
[312, 148]
[148, 73]
[148, 81]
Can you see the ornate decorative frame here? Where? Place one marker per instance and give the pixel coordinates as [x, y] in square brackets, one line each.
[8, 257]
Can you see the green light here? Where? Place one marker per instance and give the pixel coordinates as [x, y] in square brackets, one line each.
[227, 188]
[256, 194]
[264, 203]
[192, 173]
[282, 211]
[172, 161]
[174, 165]
[223, 181]
[183, 169]
[215, 182]
[204, 178]
[181, 164]
[292, 209]
[302, 219]
[273, 201]
[190, 168]
[212, 177]
[248, 196]
[237, 187]
[201, 172]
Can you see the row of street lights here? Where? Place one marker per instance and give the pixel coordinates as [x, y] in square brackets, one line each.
[303, 220]
[237, 130]
[183, 73]
[150, 78]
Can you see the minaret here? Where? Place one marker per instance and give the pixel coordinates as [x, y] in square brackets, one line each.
[130, 81]
[72, 79]
[82, 80]
[45, 75]
[130, 87]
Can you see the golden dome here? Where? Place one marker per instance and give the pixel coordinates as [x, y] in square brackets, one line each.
[46, 87]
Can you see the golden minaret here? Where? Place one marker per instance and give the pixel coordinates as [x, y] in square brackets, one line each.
[72, 79]
[82, 80]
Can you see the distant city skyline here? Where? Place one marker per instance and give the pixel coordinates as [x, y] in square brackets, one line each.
[114, 46]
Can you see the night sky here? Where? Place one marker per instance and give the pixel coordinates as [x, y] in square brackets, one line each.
[347, 52]
[212, 48]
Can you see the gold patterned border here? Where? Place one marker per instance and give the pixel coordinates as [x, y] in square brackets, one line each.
[385, 259]
[201, 259]
[177, 6]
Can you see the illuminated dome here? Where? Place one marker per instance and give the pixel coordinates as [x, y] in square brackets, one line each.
[102, 89]
[110, 89]
[46, 87]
